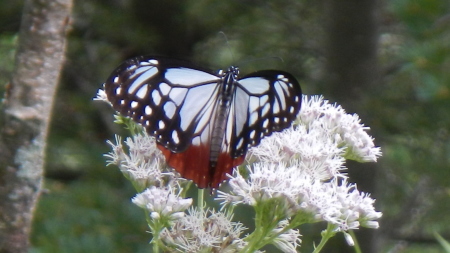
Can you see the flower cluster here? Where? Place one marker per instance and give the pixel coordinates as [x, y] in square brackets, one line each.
[293, 177]
[162, 203]
[205, 231]
[302, 168]
[141, 162]
[343, 129]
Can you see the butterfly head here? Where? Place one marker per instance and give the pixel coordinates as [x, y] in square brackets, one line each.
[233, 71]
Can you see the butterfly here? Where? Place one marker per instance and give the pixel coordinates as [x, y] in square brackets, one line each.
[203, 122]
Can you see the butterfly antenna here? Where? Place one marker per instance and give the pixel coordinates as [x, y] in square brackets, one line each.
[228, 43]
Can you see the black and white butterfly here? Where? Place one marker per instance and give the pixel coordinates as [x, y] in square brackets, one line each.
[203, 122]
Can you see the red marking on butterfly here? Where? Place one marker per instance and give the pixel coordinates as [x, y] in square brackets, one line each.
[194, 164]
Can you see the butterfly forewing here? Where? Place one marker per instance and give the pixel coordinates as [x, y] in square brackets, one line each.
[169, 98]
[264, 102]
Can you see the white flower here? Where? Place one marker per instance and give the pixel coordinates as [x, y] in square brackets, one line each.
[349, 239]
[351, 133]
[287, 241]
[302, 168]
[143, 163]
[162, 202]
[342, 205]
[323, 131]
[101, 95]
[266, 181]
[203, 231]
[117, 155]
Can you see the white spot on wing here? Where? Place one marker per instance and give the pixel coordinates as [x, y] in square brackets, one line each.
[131, 68]
[161, 124]
[148, 110]
[282, 78]
[142, 92]
[239, 144]
[164, 88]
[175, 137]
[266, 123]
[276, 108]
[169, 109]
[134, 104]
[156, 97]
[252, 134]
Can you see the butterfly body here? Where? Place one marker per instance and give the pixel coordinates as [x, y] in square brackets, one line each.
[203, 122]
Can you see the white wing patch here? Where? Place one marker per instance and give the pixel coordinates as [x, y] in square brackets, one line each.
[255, 85]
[198, 105]
[188, 77]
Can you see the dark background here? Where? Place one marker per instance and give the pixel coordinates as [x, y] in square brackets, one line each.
[388, 61]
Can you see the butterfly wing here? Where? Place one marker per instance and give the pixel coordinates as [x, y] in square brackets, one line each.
[264, 102]
[174, 101]
[273, 100]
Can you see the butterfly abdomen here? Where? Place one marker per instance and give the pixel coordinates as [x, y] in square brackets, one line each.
[220, 121]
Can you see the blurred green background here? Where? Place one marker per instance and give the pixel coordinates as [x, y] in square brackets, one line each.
[392, 67]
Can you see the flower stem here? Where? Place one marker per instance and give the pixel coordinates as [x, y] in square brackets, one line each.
[355, 241]
[267, 216]
[326, 235]
[155, 248]
[200, 203]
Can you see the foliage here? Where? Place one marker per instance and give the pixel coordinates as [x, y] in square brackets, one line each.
[415, 56]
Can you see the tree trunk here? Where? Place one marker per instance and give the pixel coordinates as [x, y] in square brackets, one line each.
[352, 76]
[25, 117]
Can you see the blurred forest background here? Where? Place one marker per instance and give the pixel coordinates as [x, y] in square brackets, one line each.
[388, 61]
